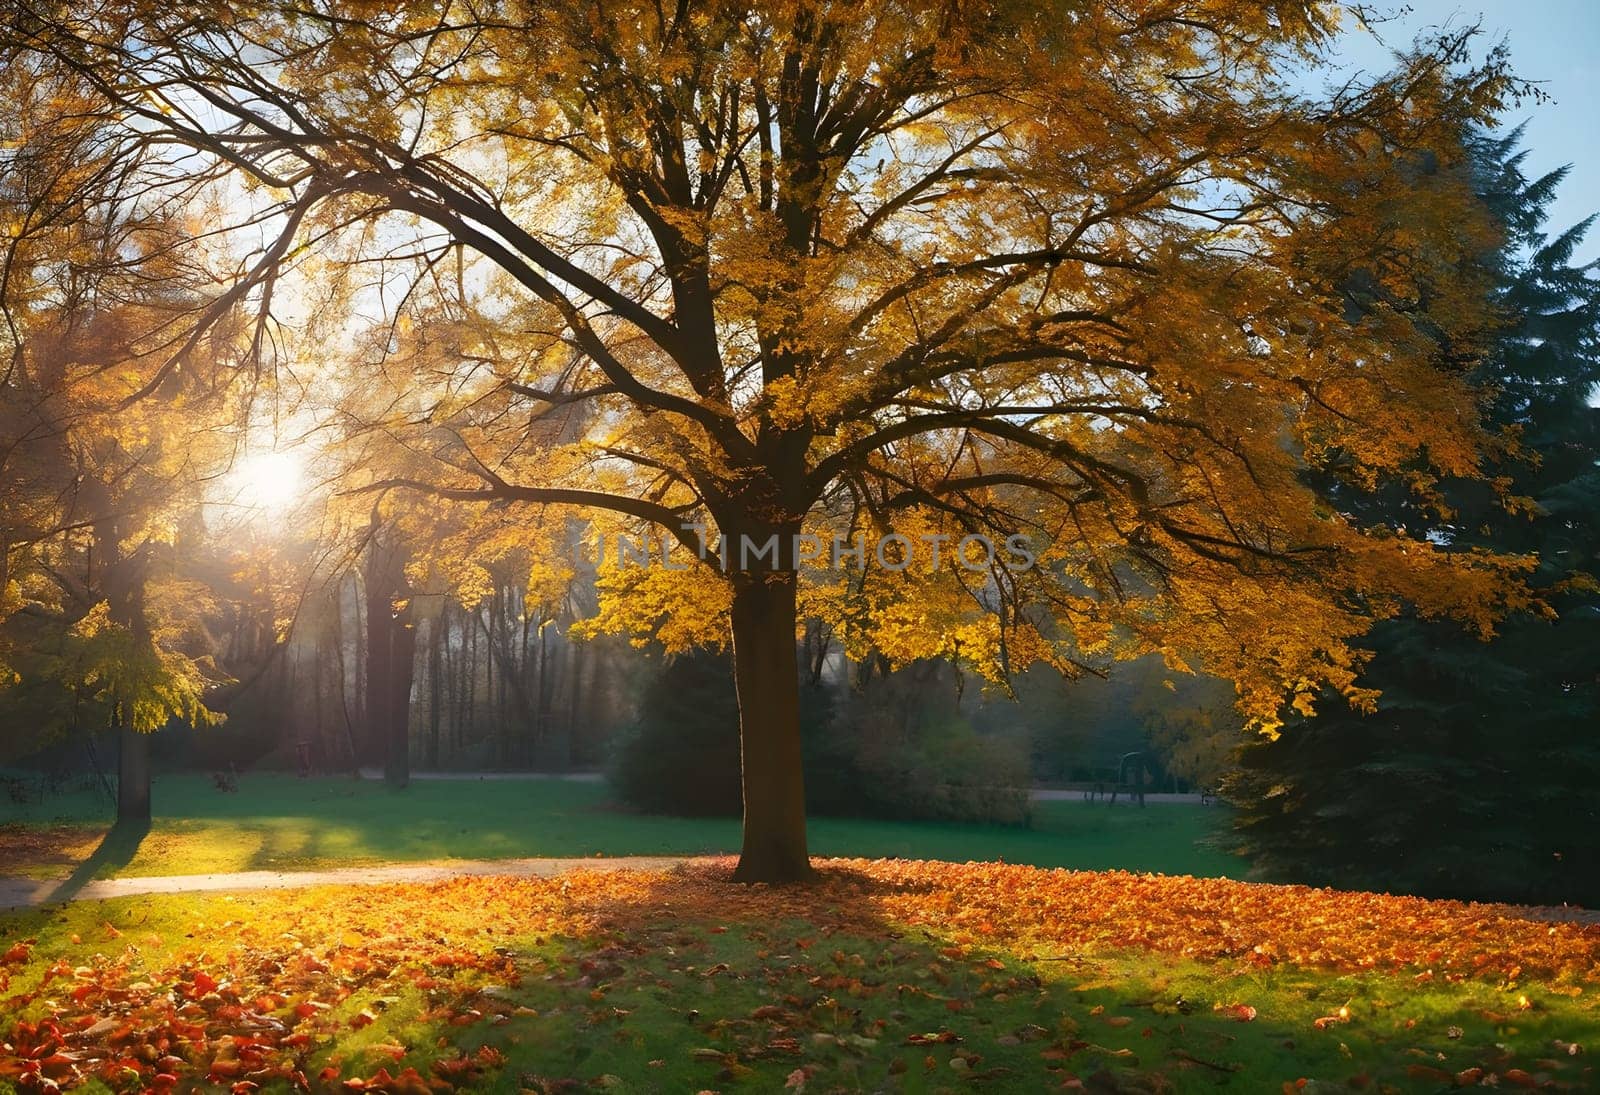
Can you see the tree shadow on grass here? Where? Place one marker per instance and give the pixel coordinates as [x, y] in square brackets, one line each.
[43, 850]
[690, 981]
[775, 978]
[117, 849]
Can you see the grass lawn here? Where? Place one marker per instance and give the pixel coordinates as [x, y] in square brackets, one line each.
[279, 823]
[917, 977]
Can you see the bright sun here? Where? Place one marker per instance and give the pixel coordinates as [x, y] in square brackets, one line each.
[267, 481]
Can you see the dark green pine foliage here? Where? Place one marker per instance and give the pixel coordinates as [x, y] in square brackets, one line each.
[1479, 774]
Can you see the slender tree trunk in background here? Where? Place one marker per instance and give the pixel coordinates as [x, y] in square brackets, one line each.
[485, 620]
[459, 714]
[818, 642]
[518, 706]
[94, 757]
[447, 670]
[362, 717]
[377, 662]
[514, 683]
[579, 661]
[496, 690]
[319, 714]
[391, 652]
[344, 685]
[469, 706]
[767, 680]
[482, 680]
[402, 673]
[538, 669]
[456, 654]
[435, 683]
[527, 677]
[123, 581]
[860, 674]
[291, 711]
[546, 685]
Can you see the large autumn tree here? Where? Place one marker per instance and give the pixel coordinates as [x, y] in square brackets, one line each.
[1103, 275]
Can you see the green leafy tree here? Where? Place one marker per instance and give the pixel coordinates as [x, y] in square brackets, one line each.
[98, 475]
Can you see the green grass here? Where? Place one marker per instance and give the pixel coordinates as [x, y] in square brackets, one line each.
[278, 822]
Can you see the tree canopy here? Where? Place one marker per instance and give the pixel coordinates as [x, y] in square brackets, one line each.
[1108, 278]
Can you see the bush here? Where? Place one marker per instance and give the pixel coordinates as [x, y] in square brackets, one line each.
[682, 754]
[908, 761]
[871, 756]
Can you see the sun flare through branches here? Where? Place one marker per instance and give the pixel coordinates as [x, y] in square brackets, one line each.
[266, 482]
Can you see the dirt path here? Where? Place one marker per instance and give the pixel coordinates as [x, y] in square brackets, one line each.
[22, 893]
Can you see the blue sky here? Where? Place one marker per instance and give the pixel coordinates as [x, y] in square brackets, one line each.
[1556, 42]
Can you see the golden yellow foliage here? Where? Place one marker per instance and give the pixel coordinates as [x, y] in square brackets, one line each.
[1113, 282]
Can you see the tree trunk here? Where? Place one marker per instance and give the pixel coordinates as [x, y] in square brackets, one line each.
[528, 675]
[454, 656]
[402, 671]
[578, 659]
[767, 680]
[362, 717]
[391, 651]
[436, 632]
[344, 689]
[496, 696]
[545, 697]
[124, 584]
[469, 701]
[377, 684]
[133, 777]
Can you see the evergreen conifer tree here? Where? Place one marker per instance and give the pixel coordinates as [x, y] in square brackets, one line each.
[1478, 775]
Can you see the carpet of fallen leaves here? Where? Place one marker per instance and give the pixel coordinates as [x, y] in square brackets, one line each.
[1216, 918]
[277, 991]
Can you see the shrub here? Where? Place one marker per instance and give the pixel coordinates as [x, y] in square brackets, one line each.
[876, 755]
[909, 763]
[681, 756]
